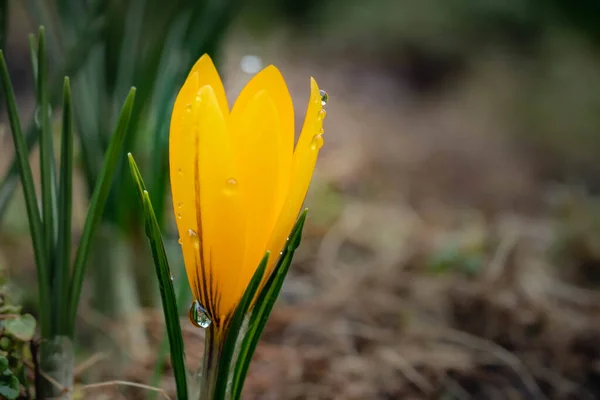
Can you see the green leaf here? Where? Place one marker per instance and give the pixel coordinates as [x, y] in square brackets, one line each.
[97, 203]
[264, 305]
[3, 27]
[233, 331]
[65, 204]
[3, 364]
[163, 352]
[33, 213]
[11, 389]
[167, 292]
[47, 165]
[21, 328]
[11, 179]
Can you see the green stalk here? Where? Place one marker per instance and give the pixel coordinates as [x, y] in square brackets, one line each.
[65, 201]
[209, 376]
[56, 361]
[46, 157]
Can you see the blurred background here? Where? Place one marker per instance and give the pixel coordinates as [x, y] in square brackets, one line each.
[453, 242]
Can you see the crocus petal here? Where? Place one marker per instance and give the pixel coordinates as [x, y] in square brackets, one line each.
[271, 81]
[222, 237]
[304, 160]
[208, 75]
[258, 140]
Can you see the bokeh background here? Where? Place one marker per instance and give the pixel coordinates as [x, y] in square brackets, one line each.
[452, 249]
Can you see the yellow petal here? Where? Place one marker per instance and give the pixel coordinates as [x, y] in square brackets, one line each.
[304, 160]
[258, 131]
[200, 152]
[207, 75]
[222, 236]
[271, 81]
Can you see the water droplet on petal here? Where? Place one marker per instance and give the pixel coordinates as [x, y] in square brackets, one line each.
[322, 114]
[198, 316]
[178, 215]
[195, 239]
[171, 277]
[179, 241]
[317, 142]
[180, 171]
[230, 186]
[179, 204]
[188, 107]
[324, 97]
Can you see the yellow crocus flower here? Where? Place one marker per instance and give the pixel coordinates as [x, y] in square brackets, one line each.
[237, 181]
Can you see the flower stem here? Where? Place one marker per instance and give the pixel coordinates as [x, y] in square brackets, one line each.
[213, 346]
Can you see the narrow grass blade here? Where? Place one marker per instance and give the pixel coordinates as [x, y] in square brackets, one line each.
[3, 28]
[167, 293]
[163, 352]
[47, 165]
[262, 309]
[11, 179]
[33, 213]
[33, 54]
[65, 202]
[97, 203]
[235, 326]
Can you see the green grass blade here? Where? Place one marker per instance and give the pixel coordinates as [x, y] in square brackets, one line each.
[235, 326]
[33, 213]
[264, 305]
[167, 293]
[3, 28]
[65, 202]
[163, 352]
[11, 179]
[33, 51]
[47, 165]
[97, 203]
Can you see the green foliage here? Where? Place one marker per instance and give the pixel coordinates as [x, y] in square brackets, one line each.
[262, 309]
[22, 327]
[58, 287]
[163, 274]
[16, 332]
[9, 383]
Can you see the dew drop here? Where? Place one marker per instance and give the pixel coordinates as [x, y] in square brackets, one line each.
[180, 171]
[188, 107]
[179, 241]
[179, 204]
[317, 142]
[198, 316]
[230, 186]
[322, 114]
[324, 97]
[178, 215]
[195, 239]
[172, 277]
